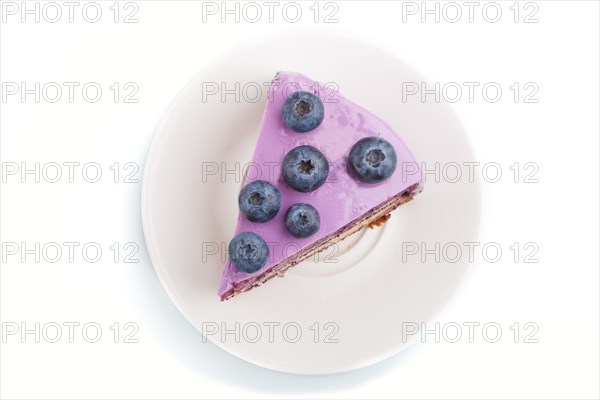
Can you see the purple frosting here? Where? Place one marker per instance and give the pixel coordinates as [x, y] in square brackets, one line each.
[342, 198]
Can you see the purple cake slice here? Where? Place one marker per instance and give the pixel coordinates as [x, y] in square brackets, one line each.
[323, 169]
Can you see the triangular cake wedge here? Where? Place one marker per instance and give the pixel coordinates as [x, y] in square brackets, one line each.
[346, 201]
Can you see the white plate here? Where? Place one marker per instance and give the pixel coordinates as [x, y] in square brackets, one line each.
[366, 295]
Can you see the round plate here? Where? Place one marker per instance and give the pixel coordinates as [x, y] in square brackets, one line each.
[347, 308]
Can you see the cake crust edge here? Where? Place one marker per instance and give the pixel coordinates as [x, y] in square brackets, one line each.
[375, 217]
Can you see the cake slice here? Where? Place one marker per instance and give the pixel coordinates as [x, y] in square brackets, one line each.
[323, 169]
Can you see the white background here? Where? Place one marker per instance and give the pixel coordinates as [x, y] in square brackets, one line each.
[160, 53]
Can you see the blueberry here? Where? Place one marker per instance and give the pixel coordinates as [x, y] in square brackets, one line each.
[305, 168]
[259, 201]
[248, 252]
[372, 159]
[302, 220]
[302, 111]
